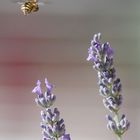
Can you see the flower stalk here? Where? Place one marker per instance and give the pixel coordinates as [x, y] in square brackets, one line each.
[101, 55]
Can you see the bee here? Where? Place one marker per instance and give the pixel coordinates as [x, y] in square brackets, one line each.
[30, 6]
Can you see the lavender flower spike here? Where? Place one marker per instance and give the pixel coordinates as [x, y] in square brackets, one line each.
[101, 55]
[53, 127]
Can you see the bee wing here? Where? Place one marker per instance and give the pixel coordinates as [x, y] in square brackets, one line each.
[40, 2]
[18, 1]
[23, 1]
[43, 2]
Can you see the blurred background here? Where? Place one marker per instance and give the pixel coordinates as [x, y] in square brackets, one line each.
[53, 43]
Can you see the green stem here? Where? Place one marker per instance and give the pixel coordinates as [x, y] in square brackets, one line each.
[119, 136]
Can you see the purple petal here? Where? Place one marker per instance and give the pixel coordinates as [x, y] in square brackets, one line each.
[109, 50]
[37, 89]
[48, 85]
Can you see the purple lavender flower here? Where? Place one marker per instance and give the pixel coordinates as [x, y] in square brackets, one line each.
[101, 55]
[47, 99]
[53, 127]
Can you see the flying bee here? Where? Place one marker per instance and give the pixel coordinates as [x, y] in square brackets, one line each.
[29, 6]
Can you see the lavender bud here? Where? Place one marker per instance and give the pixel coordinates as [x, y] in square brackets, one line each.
[43, 115]
[43, 126]
[109, 118]
[104, 91]
[46, 136]
[96, 38]
[104, 81]
[111, 104]
[50, 132]
[123, 116]
[39, 103]
[62, 130]
[56, 117]
[108, 63]
[57, 130]
[97, 66]
[124, 123]
[108, 50]
[116, 86]
[90, 56]
[48, 86]
[108, 106]
[43, 101]
[110, 80]
[49, 113]
[112, 126]
[66, 137]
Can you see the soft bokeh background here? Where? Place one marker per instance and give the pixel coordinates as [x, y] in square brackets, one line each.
[53, 43]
